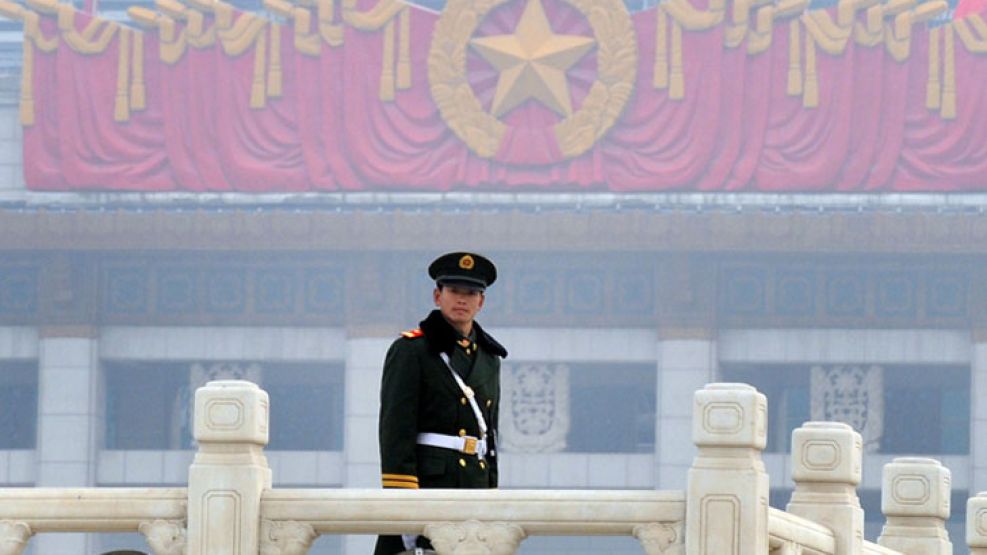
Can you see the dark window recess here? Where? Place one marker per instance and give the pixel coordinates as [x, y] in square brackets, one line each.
[148, 405]
[926, 407]
[19, 403]
[612, 408]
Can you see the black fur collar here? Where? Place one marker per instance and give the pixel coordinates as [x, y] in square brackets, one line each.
[441, 337]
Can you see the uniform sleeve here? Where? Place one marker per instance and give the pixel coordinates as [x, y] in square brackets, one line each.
[398, 425]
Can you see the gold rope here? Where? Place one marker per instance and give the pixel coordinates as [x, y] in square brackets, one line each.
[387, 67]
[258, 90]
[274, 73]
[330, 31]
[932, 88]
[972, 43]
[86, 41]
[306, 41]
[33, 38]
[27, 76]
[404, 50]
[245, 31]
[692, 19]
[948, 110]
[138, 90]
[810, 97]
[661, 48]
[121, 108]
[676, 89]
[794, 59]
[375, 18]
[825, 32]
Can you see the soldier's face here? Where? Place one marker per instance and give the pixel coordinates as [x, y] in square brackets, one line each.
[459, 305]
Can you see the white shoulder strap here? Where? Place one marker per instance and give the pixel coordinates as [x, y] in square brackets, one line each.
[468, 392]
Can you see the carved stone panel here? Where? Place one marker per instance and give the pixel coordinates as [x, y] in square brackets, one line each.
[535, 408]
[475, 538]
[166, 537]
[13, 537]
[852, 394]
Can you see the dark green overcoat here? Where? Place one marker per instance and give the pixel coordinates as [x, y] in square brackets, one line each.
[418, 394]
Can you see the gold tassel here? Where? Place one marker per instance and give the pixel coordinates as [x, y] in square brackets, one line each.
[404, 51]
[794, 59]
[810, 98]
[932, 89]
[661, 49]
[138, 90]
[121, 111]
[949, 77]
[258, 90]
[27, 73]
[677, 83]
[387, 67]
[274, 73]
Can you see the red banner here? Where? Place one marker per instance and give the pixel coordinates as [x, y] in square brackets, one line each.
[817, 102]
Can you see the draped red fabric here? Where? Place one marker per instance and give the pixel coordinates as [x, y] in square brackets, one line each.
[735, 129]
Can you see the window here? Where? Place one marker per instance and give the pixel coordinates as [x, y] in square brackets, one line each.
[924, 409]
[612, 408]
[149, 404]
[19, 399]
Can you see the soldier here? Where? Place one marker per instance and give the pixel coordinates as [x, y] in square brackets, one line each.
[440, 391]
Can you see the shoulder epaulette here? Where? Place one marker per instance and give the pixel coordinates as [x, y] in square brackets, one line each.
[412, 334]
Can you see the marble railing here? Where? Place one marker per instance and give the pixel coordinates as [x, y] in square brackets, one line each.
[229, 507]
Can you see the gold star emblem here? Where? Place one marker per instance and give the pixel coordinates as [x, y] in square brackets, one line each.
[533, 62]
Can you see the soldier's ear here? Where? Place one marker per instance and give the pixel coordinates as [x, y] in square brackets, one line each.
[482, 298]
[435, 295]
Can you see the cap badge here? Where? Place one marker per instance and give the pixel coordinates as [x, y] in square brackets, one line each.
[466, 262]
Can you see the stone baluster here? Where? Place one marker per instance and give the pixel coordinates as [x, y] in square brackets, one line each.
[915, 499]
[13, 537]
[976, 524]
[826, 468]
[229, 472]
[727, 497]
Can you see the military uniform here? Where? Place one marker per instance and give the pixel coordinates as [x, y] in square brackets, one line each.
[429, 432]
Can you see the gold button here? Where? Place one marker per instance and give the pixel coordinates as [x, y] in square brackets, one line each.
[483, 464]
[462, 432]
[462, 463]
[489, 402]
[463, 401]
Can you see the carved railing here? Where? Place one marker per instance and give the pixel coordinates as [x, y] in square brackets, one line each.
[229, 506]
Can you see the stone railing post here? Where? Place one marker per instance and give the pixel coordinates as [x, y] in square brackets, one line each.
[976, 524]
[915, 499]
[229, 472]
[727, 498]
[826, 468]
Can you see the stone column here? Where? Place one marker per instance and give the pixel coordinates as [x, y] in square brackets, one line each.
[976, 524]
[915, 499]
[70, 419]
[686, 362]
[229, 472]
[826, 468]
[978, 412]
[727, 496]
[364, 368]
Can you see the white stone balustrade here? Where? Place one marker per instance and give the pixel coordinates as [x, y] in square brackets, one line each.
[976, 524]
[727, 498]
[915, 496]
[826, 468]
[229, 507]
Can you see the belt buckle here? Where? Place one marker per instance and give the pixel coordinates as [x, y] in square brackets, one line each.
[469, 445]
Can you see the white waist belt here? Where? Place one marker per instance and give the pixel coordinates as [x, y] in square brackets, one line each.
[464, 444]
